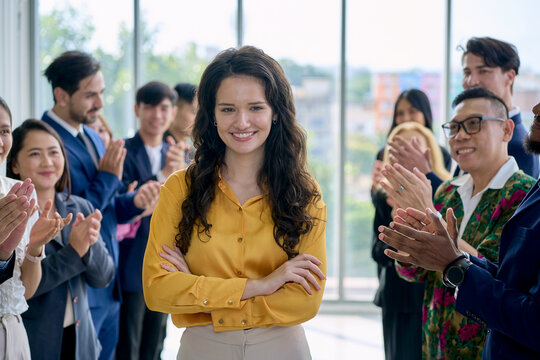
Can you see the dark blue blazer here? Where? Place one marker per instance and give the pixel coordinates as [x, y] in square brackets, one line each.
[506, 296]
[64, 269]
[526, 162]
[7, 273]
[101, 189]
[136, 167]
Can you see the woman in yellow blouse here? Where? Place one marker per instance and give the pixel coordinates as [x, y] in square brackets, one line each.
[236, 251]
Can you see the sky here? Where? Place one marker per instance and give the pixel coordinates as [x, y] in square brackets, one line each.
[383, 35]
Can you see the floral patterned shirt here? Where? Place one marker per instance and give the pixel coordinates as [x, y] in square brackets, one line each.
[446, 333]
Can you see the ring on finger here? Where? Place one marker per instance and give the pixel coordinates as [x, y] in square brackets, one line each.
[400, 189]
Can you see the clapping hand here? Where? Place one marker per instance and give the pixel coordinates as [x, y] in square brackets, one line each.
[16, 208]
[147, 196]
[407, 189]
[113, 159]
[46, 228]
[175, 159]
[410, 155]
[430, 250]
[85, 232]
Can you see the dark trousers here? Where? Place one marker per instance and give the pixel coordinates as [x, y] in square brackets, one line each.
[142, 331]
[68, 343]
[402, 334]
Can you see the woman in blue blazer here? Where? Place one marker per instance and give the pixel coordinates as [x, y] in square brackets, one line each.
[58, 321]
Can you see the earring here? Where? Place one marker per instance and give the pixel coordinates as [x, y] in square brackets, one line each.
[215, 123]
[274, 121]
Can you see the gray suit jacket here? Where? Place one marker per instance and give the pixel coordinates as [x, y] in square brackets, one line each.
[64, 269]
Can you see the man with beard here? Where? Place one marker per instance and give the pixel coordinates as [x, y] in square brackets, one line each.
[96, 172]
[505, 296]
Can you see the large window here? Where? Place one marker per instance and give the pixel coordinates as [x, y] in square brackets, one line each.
[308, 50]
[390, 46]
[179, 38]
[403, 51]
[504, 22]
[102, 28]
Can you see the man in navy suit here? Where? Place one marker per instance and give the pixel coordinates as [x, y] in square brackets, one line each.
[505, 296]
[148, 159]
[96, 173]
[493, 65]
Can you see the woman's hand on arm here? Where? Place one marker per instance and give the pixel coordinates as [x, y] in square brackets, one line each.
[175, 257]
[300, 269]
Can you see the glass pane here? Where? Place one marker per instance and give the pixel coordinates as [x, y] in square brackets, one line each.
[181, 37]
[107, 35]
[484, 18]
[308, 50]
[391, 46]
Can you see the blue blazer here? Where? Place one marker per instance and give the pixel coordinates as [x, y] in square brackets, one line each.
[526, 162]
[7, 272]
[136, 167]
[64, 269]
[506, 296]
[101, 189]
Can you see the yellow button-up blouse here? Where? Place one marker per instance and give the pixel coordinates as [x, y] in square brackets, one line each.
[241, 246]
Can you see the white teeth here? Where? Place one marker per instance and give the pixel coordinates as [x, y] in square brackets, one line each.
[465, 151]
[242, 135]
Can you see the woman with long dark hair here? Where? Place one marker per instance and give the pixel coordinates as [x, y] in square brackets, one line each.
[401, 301]
[236, 251]
[58, 319]
[411, 106]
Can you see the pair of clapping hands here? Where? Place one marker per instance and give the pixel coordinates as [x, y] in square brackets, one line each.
[419, 233]
[147, 195]
[17, 207]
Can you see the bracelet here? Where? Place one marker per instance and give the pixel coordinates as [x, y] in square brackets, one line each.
[449, 265]
[36, 259]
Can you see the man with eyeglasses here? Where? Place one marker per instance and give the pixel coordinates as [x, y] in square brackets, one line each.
[483, 200]
[493, 65]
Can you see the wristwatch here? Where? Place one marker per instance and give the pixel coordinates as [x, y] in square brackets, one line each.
[455, 273]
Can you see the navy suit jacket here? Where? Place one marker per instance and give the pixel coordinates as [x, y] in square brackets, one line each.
[101, 189]
[506, 296]
[64, 269]
[7, 273]
[136, 167]
[526, 162]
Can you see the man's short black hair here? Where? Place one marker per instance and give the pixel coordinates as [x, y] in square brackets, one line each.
[154, 92]
[497, 104]
[186, 92]
[496, 53]
[67, 70]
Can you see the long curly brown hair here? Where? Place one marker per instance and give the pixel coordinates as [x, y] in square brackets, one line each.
[288, 187]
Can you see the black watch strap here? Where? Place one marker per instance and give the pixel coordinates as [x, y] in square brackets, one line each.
[458, 268]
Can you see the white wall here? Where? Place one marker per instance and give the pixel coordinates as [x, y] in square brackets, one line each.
[15, 57]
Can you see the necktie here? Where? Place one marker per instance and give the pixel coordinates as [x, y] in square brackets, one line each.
[89, 147]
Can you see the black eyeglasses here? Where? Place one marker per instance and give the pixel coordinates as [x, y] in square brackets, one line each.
[471, 125]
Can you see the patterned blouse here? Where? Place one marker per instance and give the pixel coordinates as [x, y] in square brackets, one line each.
[446, 333]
